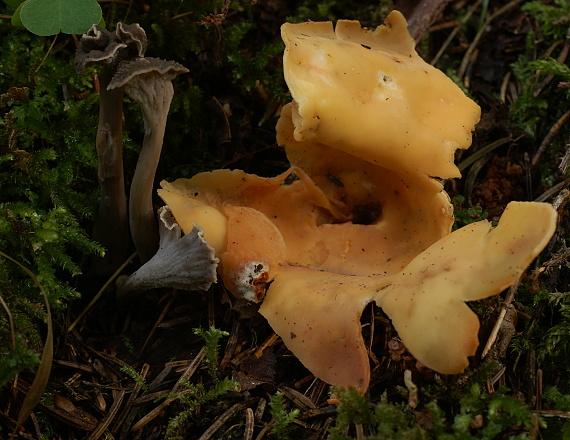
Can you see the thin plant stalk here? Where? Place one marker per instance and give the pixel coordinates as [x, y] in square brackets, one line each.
[142, 219]
[111, 226]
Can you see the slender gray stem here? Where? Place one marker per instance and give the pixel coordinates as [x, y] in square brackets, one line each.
[144, 227]
[111, 225]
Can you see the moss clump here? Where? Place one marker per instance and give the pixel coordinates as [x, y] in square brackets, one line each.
[47, 184]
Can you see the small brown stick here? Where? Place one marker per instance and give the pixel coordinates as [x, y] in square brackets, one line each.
[539, 386]
[482, 152]
[504, 86]
[561, 200]
[225, 417]
[260, 409]
[559, 187]
[317, 390]
[75, 365]
[299, 400]
[442, 26]
[304, 380]
[371, 330]
[187, 374]
[493, 336]
[555, 128]
[561, 59]
[10, 322]
[160, 377]
[268, 343]
[100, 430]
[263, 431]
[413, 398]
[46, 55]
[472, 60]
[249, 424]
[491, 382]
[231, 345]
[325, 429]
[565, 160]
[127, 412]
[553, 413]
[101, 292]
[359, 431]
[423, 16]
[211, 311]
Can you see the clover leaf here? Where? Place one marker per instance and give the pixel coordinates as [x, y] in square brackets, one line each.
[49, 17]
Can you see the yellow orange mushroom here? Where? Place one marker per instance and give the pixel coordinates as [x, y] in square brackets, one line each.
[359, 216]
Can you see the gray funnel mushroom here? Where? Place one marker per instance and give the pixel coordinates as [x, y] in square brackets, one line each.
[148, 81]
[100, 46]
[187, 263]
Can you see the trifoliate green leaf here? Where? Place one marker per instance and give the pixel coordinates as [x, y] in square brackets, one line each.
[49, 17]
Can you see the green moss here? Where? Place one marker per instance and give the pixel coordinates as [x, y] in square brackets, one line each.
[47, 181]
[476, 415]
[532, 108]
[466, 215]
[281, 419]
[194, 396]
[550, 16]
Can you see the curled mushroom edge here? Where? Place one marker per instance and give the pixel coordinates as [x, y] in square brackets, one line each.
[182, 262]
[358, 217]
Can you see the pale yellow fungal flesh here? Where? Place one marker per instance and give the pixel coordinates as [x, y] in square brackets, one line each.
[317, 314]
[393, 215]
[426, 301]
[370, 94]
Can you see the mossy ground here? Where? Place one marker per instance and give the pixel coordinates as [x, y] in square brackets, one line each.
[121, 373]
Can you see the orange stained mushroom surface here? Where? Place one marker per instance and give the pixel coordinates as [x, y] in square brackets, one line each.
[373, 225]
[255, 250]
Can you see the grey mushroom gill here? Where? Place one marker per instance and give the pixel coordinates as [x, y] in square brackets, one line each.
[182, 262]
[148, 81]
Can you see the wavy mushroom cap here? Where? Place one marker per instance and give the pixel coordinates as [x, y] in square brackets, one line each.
[370, 94]
[358, 217]
[392, 215]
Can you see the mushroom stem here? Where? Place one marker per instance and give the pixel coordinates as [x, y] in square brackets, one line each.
[148, 81]
[100, 46]
[144, 228]
[111, 227]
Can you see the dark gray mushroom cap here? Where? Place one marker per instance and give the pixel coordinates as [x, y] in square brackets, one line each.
[127, 70]
[134, 36]
[98, 45]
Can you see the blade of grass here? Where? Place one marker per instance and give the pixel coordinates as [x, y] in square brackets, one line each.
[42, 375]
[10, 321]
